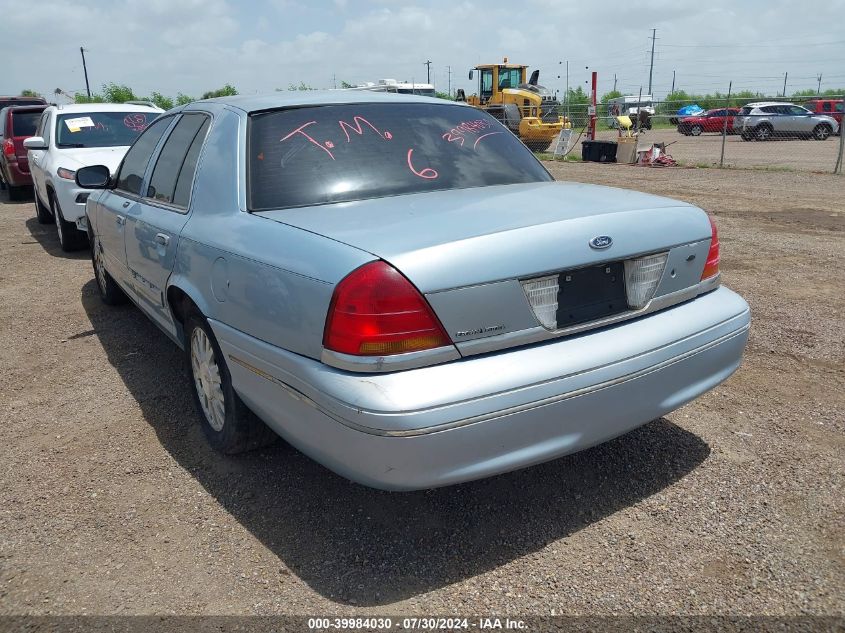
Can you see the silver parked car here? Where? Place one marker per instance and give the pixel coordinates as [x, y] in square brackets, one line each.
[396, 286]
[766, 120]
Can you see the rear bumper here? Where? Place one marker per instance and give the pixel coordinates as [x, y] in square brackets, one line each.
[16, 175]
[485, 415]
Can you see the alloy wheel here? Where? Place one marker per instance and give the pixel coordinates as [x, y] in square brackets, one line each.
[99, 266]
[207, 381]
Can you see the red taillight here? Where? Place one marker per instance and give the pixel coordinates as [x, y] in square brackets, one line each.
[375, 311]
[9, 147]
[711, 266]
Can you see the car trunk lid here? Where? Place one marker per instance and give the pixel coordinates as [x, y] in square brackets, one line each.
[449, 239]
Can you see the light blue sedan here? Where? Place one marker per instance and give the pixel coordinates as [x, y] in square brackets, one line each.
[398, 288]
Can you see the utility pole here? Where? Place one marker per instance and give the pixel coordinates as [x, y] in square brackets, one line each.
[785, 75]
[673, 83]
[85, 70]
[819, 89]
[427, 65]
[334, 81]
[651, 66]
[614, 82]
[449, 74]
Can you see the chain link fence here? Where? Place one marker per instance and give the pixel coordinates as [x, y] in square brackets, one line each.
[764, 133]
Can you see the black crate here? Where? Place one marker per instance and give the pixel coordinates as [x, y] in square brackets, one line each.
[598, 151]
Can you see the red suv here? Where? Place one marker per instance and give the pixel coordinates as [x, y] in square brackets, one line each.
[16, 124]
[710, 121]
[830, 107]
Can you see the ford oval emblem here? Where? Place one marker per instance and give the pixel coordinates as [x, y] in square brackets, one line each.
[601, 242]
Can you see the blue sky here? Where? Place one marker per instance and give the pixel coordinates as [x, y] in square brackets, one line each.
[191, 46]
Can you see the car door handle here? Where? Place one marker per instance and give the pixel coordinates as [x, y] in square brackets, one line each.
[162, 239]
[126, 204]
[120, 220]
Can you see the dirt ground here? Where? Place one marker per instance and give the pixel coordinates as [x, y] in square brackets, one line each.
[112, 503]
[705, 150]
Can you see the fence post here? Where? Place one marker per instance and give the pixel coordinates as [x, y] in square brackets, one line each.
[838, 168]
[725, 124]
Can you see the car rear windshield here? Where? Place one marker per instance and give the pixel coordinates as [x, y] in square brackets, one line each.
[24, 123]
[338, 153]
[101, 129]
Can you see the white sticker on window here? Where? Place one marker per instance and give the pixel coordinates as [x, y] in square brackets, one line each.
[74, 125]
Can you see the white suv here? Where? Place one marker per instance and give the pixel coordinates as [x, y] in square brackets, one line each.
[72, 136]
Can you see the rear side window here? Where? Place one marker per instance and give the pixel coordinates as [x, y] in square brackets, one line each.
[131, 175]
[168, 167]
[745, 111]
[25, 123]
[839, 106]
[337, 153]
[189, 168]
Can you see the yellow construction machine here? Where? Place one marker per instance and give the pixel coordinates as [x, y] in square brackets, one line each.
[526, 108]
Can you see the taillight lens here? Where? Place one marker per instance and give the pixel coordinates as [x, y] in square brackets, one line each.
[375, 311]
[9, 147]
[711, 267]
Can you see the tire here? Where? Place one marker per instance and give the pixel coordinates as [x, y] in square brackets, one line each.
[16, 193]
[110, 293]
[695, 130]
[537, 146]
[763, 133]
[821, 132]
[226, 421]
[42, 212]
[70, 239]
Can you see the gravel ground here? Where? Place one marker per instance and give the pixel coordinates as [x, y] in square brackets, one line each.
[705, 150]
[111, 502]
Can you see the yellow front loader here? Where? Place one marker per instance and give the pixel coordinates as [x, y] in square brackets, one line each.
[527, 109]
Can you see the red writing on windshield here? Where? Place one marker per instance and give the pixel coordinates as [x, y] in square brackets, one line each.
[136, 122]
[428, 173]
[483, 136]
[300, 129]
[457, 134]
[358, 120]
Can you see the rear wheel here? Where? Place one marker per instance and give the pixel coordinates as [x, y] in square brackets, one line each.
[227, 422]
[763, 132]
[70, 239]
[821, 132]
[695, 130]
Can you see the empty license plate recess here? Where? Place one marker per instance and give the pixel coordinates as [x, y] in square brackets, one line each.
[591, 293]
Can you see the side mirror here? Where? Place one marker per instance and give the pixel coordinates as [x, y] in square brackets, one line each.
[34, 142]
[93, 177]
[470, 74]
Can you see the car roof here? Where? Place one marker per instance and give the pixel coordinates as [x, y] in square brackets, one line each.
[298, 98]
[72, 108]
[760, 104]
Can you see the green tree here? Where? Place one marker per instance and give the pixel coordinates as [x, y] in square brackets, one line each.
[165, 103]
[302, 86]
[118, 93]
[578, 97]
[183, 99]
[346, 84]
[226, 91]
[613, 94]
[29, 93]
